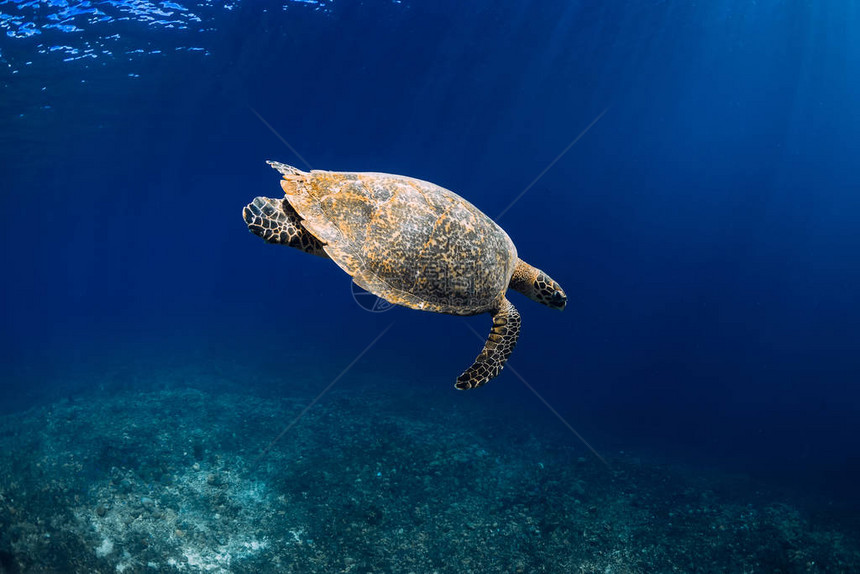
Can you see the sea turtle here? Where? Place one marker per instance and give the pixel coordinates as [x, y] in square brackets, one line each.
[411, 243]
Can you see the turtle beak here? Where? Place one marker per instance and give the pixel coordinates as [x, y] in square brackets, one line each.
[558, 300]
[547, 292]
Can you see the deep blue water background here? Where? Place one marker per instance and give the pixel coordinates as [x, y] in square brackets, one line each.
[706, 229]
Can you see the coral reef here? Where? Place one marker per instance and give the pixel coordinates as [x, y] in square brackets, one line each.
[163, 481]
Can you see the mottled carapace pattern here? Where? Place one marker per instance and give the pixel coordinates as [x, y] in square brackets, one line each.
[408, 241]
[411, 243]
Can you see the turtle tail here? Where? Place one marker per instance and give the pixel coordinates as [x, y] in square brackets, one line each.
[499, 346]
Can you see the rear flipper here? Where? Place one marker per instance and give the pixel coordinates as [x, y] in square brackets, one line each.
[277, 222]
[499, 346]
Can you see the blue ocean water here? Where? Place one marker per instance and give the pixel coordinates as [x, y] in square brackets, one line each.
[687, 171]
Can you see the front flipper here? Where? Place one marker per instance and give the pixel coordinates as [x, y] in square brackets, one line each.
[499, 346]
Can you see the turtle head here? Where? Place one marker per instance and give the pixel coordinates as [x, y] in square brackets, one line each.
[538, 286]
[548, 292]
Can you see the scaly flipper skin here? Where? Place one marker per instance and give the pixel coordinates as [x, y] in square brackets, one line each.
[276, 222]
[412, 243]
[499, 346]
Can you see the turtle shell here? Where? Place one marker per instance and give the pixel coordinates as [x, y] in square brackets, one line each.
[410, 242]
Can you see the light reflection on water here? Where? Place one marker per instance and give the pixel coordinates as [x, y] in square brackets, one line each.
[78, 30]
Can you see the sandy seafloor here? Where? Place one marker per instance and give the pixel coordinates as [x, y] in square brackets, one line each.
[151, 470]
